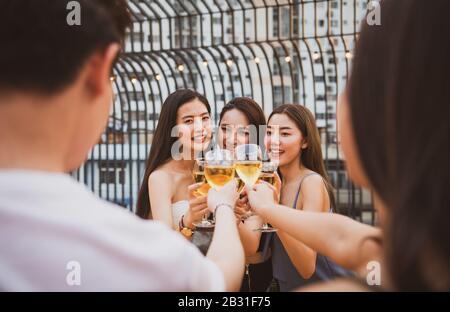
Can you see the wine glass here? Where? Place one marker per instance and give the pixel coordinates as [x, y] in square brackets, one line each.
[248, 165]
[267, 174]
[219, 169]
[199, 176]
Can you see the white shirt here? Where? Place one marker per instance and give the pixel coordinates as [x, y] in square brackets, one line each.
[55, 235]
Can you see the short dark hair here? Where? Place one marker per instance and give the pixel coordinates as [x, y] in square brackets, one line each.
[41, 53]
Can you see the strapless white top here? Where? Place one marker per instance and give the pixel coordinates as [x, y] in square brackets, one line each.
[178, 210]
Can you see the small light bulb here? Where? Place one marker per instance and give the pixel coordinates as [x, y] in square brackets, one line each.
[257, 60]
[181, 67]
[287, 59]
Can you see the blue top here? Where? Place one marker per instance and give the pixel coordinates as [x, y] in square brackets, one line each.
[284, 270]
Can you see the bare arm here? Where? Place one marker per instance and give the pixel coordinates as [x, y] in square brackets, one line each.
[160, 193]
[249, 237]
[314, 199]
[340, 238]
[226, 248]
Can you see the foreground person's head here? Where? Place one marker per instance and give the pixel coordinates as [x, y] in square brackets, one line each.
[395, 135]
[55, 88]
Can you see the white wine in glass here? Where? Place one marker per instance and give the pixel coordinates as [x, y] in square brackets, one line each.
[217, 175]
[199, 176]
[219, 168]
[248, 171]
[267, 177]
[240, 183]
[268, 171]
[248, 163]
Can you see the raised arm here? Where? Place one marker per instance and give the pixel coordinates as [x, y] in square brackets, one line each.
[303, 257]
[249, 237]
[343, 240]
[226, 248]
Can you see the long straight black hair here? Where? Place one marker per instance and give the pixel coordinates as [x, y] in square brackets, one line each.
[160, 152]
[399, 100]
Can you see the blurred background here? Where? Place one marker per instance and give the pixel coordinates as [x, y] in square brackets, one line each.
[274, 51]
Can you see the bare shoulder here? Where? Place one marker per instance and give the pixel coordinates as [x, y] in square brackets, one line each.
[159, 177]
[160, 174]
[338, 285]
[313, 182]
[313, 190]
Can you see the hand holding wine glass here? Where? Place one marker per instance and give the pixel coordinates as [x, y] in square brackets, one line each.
[226, 195]
[261, 197]
[242, 208]
[198, 208]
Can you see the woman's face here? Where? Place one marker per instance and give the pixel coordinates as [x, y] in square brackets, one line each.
[194, 125]
[283, 140]
[233, 130]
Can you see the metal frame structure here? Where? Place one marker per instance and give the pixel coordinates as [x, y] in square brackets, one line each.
[275, 51]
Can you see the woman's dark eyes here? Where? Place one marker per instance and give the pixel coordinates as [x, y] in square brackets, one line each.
[269, 133]
[188, 121]
[243, 132]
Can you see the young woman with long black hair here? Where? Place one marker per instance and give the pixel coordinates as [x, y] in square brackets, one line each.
[183, 132]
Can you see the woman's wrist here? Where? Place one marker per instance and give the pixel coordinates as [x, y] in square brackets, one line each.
[187, 221]
[264, 210]
[222, 206]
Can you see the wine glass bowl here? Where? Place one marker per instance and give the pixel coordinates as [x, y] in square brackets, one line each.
[268, 171]
[199, 176]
